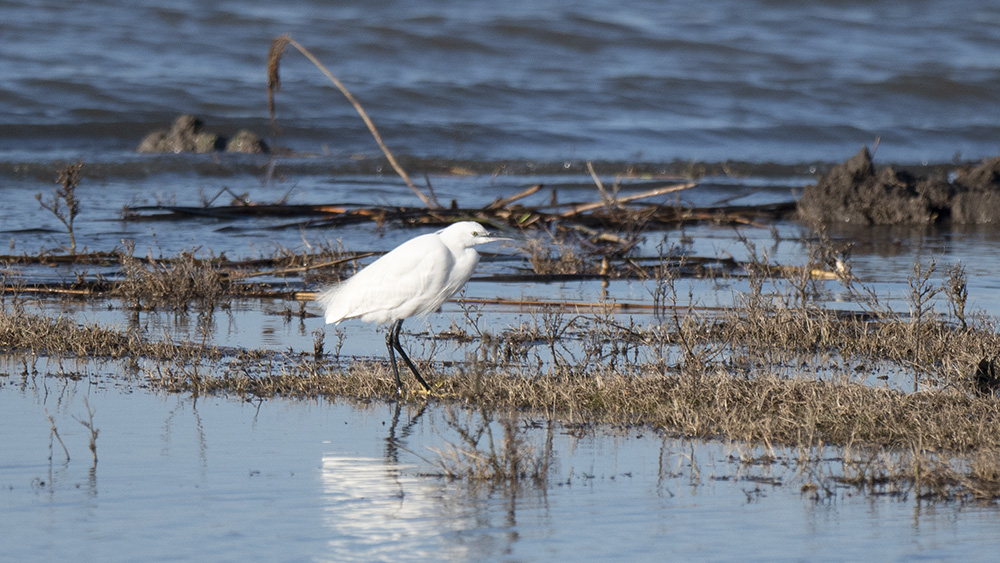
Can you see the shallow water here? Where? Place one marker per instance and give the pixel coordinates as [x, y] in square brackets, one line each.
[222, 479]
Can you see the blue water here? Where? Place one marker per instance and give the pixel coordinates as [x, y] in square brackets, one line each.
[763, 81]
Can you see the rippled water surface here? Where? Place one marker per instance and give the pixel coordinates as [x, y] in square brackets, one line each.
[766, 80]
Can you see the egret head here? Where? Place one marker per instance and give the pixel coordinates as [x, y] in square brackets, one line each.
[469, 233]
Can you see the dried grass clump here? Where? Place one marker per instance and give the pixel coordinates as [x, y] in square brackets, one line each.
[46, 335]
[927, 475]
[565, 261]
[935, 353]
[265, 374]
[780, 322]
[714, 403]
[330, 257]
[61, 336]
[175, 284]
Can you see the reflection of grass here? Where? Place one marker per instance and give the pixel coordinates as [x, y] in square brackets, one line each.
[479, 457]
[89, 425]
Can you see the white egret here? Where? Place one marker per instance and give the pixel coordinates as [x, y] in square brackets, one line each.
[413, 279]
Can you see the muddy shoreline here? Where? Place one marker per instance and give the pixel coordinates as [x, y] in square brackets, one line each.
[858, 192]
[120, 165]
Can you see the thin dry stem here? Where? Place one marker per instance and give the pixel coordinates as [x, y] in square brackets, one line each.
[274, 85]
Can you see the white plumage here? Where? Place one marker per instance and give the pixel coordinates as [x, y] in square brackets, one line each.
[414, 279]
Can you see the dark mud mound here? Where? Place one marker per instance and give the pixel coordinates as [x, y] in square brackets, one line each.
[977, 199]
[187, 134]
[856, 192]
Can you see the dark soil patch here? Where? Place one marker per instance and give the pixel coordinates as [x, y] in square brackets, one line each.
[856, 192]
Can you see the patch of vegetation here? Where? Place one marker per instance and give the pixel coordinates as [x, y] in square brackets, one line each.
[773, 369]
[152, 284]
[62, 337]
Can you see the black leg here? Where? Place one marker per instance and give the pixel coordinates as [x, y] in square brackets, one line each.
[394, 331]
[389, 343]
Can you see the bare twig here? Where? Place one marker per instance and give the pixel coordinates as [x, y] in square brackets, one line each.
[583, 207]
[609, 199]
[505, 201]
[56, 434]
[301, 269]
[274, 85]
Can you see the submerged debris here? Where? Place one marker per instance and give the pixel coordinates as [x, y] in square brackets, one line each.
[614, 222]
[856, 192]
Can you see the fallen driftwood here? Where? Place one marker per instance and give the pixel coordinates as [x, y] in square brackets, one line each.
[606, 216]
[234, 277]
[612, 203]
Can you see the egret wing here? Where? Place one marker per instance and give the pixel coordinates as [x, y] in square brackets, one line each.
[400, 284]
